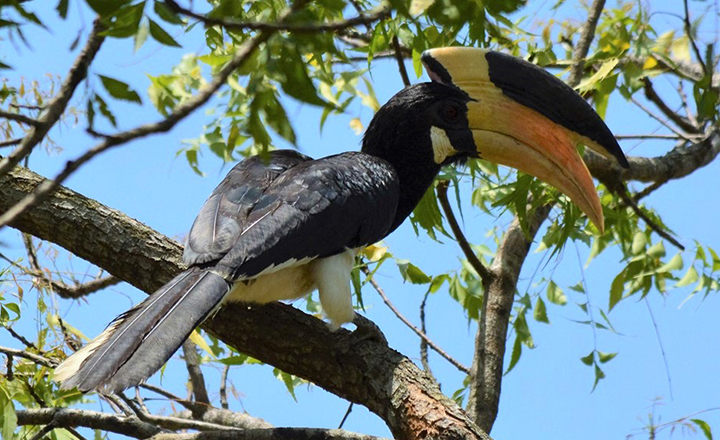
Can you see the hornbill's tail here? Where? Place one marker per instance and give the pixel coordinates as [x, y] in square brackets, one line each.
[138, 342]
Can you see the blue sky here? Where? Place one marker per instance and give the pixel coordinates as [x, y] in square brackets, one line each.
[548, 395]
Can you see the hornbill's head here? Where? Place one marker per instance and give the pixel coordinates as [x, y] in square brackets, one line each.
[499, 108]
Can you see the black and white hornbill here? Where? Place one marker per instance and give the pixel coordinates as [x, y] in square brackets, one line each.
[281, 227]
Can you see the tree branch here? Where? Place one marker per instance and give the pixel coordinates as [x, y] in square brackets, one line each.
[271, 434]
[350, 365]
[680, 121]
[17, 117]
[442, 189]
[416, 330]
[500, 288]
[197, 380]
[51, 114]
[583, 45]
[46, 362]
[66, 417]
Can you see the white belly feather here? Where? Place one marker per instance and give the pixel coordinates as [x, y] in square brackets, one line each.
[331, 276]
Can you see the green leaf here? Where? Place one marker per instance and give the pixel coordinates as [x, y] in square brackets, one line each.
[657, 250]
[515, 356]
[690, 277]
[159, 34]
[167, 14]
[599, 375]
[540, 311]
[9, 423]
[105, 111]
[62, 8]
[676, 263]
[141, 35]
[120, 90]
[716, 259]
[639, 242]
[412, 273]
[704, 427]
[106, 7]
[616, 290]
[555, 294]
[606, 357]
[4, 66]
[589, 359]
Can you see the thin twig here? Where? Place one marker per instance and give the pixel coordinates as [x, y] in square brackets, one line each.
[173, 423]
[223, 387]
[660, 120]
[378, 14]
[670, 137]
[583, 45]
[59, 287]
[41, 360]
[653, 97]
[423, 344]
[442, 189]
[76, 434]
[10, 142]
[648, 190]
[55, 109]
[622, 192]
[345, 417]
[17, 117]
[44, 430]
[21, 338]
[197, 380]
[688, 32]
[417, 331]
[683, 98]
[660, 344]
[66, 417]
[9, 374]
[400, 61]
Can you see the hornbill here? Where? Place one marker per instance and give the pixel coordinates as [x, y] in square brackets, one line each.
[279, 227]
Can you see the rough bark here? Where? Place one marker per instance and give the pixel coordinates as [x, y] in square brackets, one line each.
[349, 364]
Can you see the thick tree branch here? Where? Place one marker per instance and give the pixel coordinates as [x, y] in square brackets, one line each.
[51, 114]
[66, 417]
[678, 163]
[500, 288]
[228, 418]
[350, 365]
[490, 340]
[271, 434]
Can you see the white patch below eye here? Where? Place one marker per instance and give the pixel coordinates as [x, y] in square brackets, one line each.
[441, 145]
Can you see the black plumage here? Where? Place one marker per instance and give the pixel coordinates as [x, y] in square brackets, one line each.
[281, 225]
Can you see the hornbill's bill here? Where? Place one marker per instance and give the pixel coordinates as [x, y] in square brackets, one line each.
[279, 227]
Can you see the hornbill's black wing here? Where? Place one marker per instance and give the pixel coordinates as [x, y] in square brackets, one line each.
[224, 215]
[316, 209]
[295, 209]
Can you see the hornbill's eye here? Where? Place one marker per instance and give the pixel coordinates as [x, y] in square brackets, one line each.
[450, 112]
